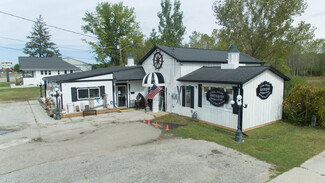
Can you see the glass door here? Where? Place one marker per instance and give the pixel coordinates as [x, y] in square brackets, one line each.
[121, 95]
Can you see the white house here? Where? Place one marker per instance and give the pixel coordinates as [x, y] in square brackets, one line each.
[195, 82]
[83, 66]
[35, 68]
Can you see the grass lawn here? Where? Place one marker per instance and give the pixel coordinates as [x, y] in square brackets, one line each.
[281, 144]
[316, 80]
[5, 84]
[19, 94]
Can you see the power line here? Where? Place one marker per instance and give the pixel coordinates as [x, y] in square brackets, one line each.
[19, 40]
[55, 27]
[10, 48]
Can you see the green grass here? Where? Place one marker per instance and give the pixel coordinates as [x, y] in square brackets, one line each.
[281, 144]
[5, 84]
[316, 80]
[19, 94]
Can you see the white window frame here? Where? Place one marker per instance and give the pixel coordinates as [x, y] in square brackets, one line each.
[207, 104]
[88, 98]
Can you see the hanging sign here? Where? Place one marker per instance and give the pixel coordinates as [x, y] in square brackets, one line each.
[264, 90]
[217, 97]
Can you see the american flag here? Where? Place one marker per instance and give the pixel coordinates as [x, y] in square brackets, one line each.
[153, 92]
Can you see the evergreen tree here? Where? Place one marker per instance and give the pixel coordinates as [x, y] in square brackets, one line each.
[40, 44]
[171, 26]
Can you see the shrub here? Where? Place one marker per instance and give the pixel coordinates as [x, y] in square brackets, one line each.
[304, 102]
[294, 81]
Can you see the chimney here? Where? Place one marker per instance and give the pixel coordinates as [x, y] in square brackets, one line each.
[130, 60]
[233, 58]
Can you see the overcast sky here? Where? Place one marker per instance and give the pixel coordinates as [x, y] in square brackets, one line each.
[198, 15]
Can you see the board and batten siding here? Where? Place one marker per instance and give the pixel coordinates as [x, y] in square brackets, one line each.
[222, 116]
[170, 71]
[260, 111]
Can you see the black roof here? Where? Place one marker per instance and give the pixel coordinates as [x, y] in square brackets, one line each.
[200, 55]
[44, 63]
[232, 76]
[121, 73]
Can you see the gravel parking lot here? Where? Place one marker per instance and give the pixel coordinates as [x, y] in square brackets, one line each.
[114, 147]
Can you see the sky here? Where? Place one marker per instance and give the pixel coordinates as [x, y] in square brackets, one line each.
[68, 14]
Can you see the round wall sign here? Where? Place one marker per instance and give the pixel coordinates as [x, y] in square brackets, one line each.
[264, 90]
[217, 97]
[158, 60]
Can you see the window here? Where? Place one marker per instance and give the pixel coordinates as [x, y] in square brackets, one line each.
[45, 72]
[83, 93]
[58, 72]
[206, 103]
[41, 72]
[65, 72]
[49, 72]
[71, 71]
[94, 93]
[187, 96]
[88, 93]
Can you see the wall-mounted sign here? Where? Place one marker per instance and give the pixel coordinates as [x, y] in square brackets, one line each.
[217, 96]
[264, 90]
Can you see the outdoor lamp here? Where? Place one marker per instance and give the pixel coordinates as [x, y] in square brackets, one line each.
[240, 106]
[40, 89]
[56, 95]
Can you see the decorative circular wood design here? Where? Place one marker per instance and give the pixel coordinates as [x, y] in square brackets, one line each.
[158, 60]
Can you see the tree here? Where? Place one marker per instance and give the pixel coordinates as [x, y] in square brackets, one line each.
[171, 26]
[116, 30]
[16, 68]
[40, 44]
[262, 28]
[199, 40]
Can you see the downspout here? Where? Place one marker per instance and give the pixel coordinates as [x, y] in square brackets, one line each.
[113, 88]
[61, 95]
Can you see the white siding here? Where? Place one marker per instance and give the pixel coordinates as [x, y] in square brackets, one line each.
[67, 98]
[107, 76]
[222, 116]
[261, 111]
[136, 88]
[171, 71]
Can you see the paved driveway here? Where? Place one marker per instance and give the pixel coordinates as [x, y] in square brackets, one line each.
[114, 147]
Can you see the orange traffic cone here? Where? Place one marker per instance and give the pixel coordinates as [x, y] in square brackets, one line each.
[156, 125]
[144, 120]
[149, 122]
[167, 128]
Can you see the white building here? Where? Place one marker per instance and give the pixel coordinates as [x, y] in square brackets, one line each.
[83, 66]
[35, 68]
[194, 81]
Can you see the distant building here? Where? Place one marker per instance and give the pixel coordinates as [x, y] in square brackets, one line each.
[83, 66]
[35, 68]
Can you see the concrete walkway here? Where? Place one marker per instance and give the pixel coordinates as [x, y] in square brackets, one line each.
[313, 170]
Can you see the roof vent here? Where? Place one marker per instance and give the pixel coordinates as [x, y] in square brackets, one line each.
[130, 60]
[233, 58]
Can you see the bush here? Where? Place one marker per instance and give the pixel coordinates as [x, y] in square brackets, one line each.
[304, 102]
[294, 81]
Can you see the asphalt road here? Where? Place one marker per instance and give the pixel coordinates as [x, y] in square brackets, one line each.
[115, 147]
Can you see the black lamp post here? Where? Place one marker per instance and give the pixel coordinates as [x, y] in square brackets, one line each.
[240, 105]
[56, 95]
[40, 89]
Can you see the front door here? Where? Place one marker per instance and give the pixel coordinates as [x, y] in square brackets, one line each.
[121, 96]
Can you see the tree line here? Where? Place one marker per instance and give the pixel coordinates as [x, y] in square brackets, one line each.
[263, 29]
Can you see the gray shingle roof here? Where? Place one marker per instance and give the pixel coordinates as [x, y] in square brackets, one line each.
[44, 63]
[232, 76]
[200, 55]
[121, 73]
